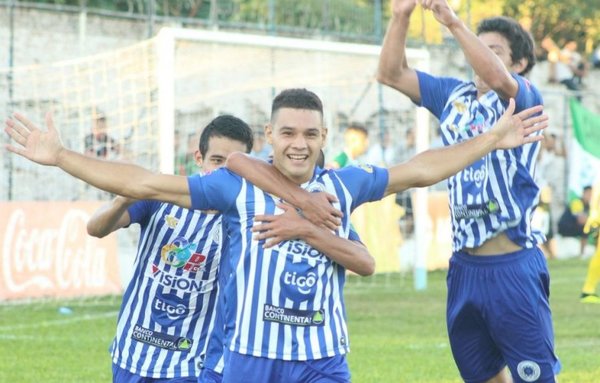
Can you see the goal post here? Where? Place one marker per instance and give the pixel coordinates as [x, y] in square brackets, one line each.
[156, 96]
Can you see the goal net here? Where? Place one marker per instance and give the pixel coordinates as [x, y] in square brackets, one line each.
[147, 104]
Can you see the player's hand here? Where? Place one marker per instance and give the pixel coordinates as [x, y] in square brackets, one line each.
[403, 7]
[517, 129]
[319, 210]
[33, 143]
[281, 227]
[592, 223]
[442, 11]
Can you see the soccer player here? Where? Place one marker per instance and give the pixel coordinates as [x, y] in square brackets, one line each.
[168, 307]
[588, 291]
[284, 308]
[496, 257]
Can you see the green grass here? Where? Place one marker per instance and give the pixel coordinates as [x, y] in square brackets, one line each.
[397, 334]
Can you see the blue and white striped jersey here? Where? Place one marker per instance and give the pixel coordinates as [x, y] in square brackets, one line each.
[285, 302]
[169, 305]
[213, 359]
[497, 193]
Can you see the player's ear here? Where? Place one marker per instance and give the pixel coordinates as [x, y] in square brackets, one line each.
[520, 65]
[269, 133]
[198, 158]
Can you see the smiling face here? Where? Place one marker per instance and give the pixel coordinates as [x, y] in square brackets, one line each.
[297, 136]
[219, 148]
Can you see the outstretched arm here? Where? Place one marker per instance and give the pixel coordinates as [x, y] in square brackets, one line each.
[393, 69]
[352, 255]
[110, 217]
[46, 148]
[435, 165]
[482, 59]
[316, 207]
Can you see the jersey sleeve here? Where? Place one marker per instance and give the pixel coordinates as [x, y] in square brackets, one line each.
[435, 91]
[141, 211]
[527, 95]
[365, 183]
[215, 191]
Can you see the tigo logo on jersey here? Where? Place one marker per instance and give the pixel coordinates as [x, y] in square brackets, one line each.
[169, 308]
[304, 284]
[475, 175]
[179, 254]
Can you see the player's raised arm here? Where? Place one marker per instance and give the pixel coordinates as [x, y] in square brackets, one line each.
[485, 62]
[434, 165]
[110, 217]
[316, 207]
[352, 255]
[393, 69]
[46, 148]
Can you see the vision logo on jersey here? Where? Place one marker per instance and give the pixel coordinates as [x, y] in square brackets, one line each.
[476, 210]
[168, 309]
[293, 317]
[161, 340]
[179, 282]
[301, 248]
[179, 254]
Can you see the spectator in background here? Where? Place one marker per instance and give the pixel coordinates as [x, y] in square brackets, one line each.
[261, 149]
[356, 142]
[185, 159]
[98, 143]
[550, 178]
[568, 67]
[383, 153]
[573, 219]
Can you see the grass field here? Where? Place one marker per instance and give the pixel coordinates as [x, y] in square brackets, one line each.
[397, 334]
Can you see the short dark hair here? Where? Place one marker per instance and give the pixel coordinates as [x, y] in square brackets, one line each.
[321, 159]
[226, 126]
[296, 98]
[520, 41]
[358, 127]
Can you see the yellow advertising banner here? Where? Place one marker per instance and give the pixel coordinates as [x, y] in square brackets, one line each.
[46, 251]
[377, 225]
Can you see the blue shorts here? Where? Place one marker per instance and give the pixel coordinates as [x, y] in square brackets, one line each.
[209, 376]
[498, 314]
[249, 369]
[121, 375]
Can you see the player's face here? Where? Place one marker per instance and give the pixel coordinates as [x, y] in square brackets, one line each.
[218, 150]
[297, 136]
[500, 46]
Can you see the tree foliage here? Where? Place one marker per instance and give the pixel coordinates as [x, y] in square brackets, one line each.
[561, 21]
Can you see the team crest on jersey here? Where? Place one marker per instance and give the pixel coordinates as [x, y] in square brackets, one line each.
[459, 106]
[315, 187]
[366, 168]
[171, 221]
[179, 254]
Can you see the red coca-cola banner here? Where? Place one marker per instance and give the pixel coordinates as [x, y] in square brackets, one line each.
[46, 251]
